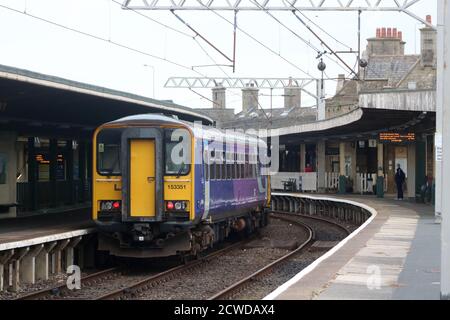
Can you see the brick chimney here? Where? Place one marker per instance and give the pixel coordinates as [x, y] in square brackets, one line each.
[388, 41]
[428, 45]
[292, 95]
[249, 97]
[219, 96]
[340, 83]
[402, 43]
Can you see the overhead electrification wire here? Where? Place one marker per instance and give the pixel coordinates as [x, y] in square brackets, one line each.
[261, 43]
[227, 76]
[90, 35]
[201, 36]
[154, 20]
[174, 29]
[322, 29]
[308, 43]
[327, 46]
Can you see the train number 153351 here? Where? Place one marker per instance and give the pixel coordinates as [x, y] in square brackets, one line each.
[177, 186]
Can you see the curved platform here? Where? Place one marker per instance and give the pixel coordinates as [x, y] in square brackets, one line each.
[394, 255]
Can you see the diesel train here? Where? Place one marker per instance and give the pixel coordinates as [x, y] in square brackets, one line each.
[164, 187]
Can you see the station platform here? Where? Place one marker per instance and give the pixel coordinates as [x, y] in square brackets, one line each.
[31, 227]
[396, 256]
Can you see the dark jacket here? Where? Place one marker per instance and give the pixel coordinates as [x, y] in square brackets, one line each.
[399, 176]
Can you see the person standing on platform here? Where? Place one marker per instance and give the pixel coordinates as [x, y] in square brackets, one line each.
[399, 181]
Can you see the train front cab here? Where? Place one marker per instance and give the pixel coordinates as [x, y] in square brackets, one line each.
[143, 202]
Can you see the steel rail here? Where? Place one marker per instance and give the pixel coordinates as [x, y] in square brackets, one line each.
[89, 279]
[242, 284]
[229, 291]
[315, 218]
[150, 281]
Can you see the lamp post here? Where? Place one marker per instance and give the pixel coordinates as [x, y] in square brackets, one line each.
[153, 78]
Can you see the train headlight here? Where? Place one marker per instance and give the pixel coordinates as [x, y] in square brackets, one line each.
[110, 205]
[177, 205]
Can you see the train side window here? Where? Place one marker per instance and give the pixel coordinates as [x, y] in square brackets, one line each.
[218, 170]
[235, 167]
[238, 166]
[212, 171]
[229, 164]
[224, 171]
[205, 165]
[224, 166]
[243, 166]
[253, 166]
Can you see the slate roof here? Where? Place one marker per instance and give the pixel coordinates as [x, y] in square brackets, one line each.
[392, 68]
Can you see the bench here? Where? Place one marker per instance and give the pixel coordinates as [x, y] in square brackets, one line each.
[290, 185]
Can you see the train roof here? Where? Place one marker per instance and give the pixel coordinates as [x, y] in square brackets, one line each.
[200, 131]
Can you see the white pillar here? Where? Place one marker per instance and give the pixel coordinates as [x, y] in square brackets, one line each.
[321, 165]
[28, 265]
[444, 118]
[41, 264]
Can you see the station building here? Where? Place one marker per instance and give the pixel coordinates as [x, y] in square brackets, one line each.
[46, 127]
[384, 118]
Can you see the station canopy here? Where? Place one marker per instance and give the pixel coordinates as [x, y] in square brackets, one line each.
[362, 123]
[31, 102]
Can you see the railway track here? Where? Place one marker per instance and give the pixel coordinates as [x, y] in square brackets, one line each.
[153, 280]
[55, 291]
[146, 282]
[150, 282]
[244, 283]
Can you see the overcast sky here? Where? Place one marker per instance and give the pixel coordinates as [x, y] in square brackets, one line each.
[32, 44]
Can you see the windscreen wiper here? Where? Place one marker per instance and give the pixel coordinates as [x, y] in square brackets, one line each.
[180, 170]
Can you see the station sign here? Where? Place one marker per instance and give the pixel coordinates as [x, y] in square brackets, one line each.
[397, 138]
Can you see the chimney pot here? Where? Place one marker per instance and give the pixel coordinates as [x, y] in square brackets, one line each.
[389, 32]
[383, 32]
[400, 35]
[378, 32]
[394, 33]
[429, 20]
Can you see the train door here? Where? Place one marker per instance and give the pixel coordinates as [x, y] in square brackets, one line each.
[142, 178]
[143, 175]
[207, 175]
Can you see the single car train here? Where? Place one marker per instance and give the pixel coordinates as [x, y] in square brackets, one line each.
[164, 187]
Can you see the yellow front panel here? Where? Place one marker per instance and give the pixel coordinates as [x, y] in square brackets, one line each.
[177, 188]
[142, 178]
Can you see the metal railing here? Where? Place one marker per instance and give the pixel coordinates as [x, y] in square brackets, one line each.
[51, 194]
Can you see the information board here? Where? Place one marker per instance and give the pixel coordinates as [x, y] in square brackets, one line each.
[397, 138]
